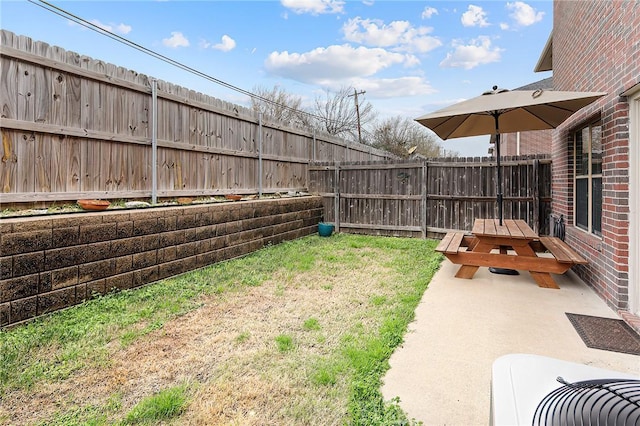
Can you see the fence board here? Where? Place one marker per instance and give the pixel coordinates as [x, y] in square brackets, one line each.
[43, 163]
[88, 117]
[432, 196]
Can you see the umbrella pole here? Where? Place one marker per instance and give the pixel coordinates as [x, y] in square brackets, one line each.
[502, 271]
[496, 114]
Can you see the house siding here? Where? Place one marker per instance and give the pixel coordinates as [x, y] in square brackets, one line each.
[596, 47]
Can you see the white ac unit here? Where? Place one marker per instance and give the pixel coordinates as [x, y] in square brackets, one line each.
[536, 390]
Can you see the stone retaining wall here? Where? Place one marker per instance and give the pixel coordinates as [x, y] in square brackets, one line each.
[52, 262]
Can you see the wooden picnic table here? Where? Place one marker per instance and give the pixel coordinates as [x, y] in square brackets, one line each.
[512, 245]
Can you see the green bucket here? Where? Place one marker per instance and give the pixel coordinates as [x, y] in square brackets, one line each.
[325, 229]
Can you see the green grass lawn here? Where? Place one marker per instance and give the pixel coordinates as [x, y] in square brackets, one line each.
[297, 333]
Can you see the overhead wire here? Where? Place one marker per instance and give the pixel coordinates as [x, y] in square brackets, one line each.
[80, 21]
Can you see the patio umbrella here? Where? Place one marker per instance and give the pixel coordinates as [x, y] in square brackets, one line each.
[503, 111]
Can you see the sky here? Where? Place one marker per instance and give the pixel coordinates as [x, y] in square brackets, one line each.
[409, 58]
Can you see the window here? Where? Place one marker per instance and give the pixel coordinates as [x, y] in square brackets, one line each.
[588, 178]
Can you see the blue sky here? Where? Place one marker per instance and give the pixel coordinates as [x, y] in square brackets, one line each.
[409, 57]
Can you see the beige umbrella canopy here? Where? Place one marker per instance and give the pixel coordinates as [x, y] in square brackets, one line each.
[503, 111]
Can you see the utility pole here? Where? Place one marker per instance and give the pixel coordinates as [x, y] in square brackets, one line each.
[355, 95]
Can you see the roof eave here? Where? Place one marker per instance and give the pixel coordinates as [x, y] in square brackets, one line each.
[545, 62]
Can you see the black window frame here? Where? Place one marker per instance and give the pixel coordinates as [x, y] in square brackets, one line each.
[587, 178]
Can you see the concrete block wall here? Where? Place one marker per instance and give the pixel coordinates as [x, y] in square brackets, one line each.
[52, 262]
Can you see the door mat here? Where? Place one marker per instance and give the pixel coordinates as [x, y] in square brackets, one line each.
[606, 333]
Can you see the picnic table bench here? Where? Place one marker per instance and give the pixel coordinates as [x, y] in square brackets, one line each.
[489, 245]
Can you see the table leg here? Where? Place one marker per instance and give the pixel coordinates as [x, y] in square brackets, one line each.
[474, 242]
[468, 271]
[543, 279]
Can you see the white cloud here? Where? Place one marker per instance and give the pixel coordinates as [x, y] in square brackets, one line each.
[389, 88]
[504, 26]
[226, 45]
[428, 12]
[334, 63]
[475, 16]
[524, 14]
[398, 34]
[478, 52]
[113, 28]
[123, 28]
[424, 44]
[314, 7]
[176, 40]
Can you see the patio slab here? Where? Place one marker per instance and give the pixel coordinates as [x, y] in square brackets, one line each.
[442, 371]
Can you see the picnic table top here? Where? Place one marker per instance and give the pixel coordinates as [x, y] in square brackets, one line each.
[510, 228]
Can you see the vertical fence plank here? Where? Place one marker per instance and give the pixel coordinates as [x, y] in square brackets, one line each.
[424, 197]
[385, 199]
[100, 141]
[43, 163]
[337, 183]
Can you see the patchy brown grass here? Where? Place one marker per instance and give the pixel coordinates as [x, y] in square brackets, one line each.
[225, 350]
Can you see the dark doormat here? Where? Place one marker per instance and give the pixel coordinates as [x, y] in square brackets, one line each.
[606, 333]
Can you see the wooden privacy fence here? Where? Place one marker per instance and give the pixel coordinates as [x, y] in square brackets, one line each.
[74, 127]
[428, 198]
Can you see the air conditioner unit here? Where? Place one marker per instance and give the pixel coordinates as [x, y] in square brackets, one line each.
[535, 390]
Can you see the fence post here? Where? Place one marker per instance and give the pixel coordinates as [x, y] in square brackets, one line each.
[536, 196]
[259, 154]
[336, 197]
[154, 141]
[423, 216]
[313, 146]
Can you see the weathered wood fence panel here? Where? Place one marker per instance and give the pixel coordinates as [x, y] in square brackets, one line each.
[75, 127]
[431, 197]
[380, 198]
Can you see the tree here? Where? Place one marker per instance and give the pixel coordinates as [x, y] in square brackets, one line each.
[337, 114]
[278, 105]
[404, 137]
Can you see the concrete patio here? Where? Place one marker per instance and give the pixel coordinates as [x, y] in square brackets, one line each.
[442, 371]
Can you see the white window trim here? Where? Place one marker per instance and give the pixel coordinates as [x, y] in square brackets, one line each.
[634, 202]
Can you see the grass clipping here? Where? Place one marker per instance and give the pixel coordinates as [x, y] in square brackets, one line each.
[298, 333]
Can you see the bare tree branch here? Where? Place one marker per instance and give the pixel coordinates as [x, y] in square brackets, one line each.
[337, 114]
[404, 137]
[278, 105]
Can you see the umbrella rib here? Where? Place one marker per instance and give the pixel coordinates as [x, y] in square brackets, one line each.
[550, 124]
[453, 117]
[443, 123]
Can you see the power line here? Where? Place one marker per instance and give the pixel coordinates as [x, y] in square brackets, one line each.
[68, 15]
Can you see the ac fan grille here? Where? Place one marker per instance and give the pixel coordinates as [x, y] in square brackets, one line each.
[610, 402]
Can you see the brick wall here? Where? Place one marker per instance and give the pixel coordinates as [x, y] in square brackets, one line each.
[531, 143]
[49, 263]
[596, 48]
